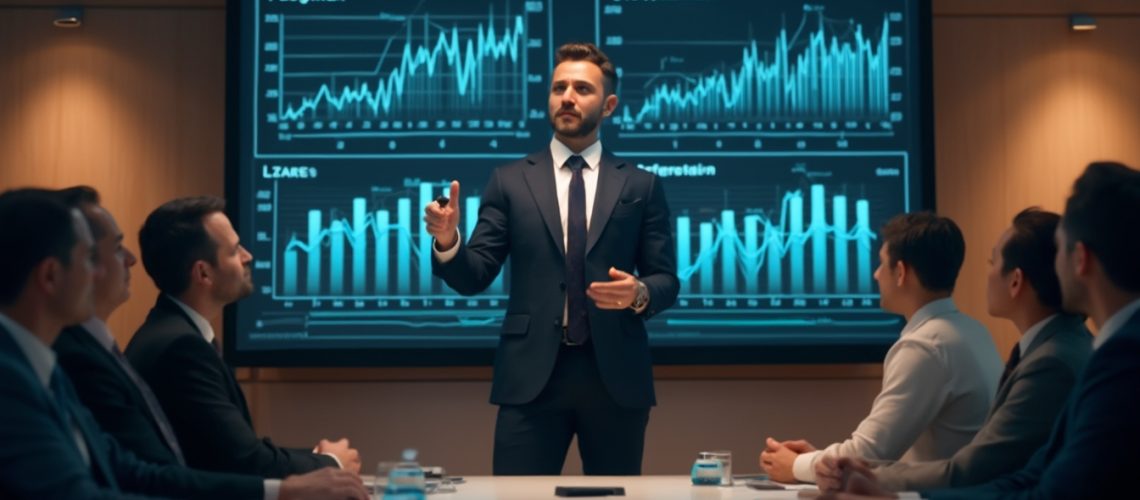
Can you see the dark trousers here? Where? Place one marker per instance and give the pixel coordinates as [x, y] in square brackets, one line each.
[532, 439]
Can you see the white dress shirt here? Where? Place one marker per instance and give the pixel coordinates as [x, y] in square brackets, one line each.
[43, 362]
[1114, 323]
[939, 379]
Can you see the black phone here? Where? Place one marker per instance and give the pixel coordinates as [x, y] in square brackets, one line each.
[764, 484]
[589, 491]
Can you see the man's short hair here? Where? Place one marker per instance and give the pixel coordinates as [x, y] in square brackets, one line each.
[174, 237]
[34, 225]
[585, 51]
[1104, 214]
[929, 244]
[1032, 248]
[81, 198]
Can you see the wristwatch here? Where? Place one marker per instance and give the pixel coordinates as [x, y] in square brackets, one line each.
[642, 297]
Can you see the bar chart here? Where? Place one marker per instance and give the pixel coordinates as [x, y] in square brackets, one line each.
[758, 255]
[368, 247]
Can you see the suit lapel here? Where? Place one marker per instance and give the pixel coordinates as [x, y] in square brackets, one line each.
[1061, 322]
[540, 178]
[92, 435]
[611, 179]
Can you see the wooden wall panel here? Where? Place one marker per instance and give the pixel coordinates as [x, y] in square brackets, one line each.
[1021, 106]
[131, 103]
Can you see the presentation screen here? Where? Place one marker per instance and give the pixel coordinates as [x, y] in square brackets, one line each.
[785, 134]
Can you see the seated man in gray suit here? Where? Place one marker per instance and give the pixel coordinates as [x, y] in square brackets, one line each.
[1042, 369]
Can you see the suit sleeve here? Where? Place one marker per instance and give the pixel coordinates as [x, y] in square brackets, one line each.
[1016, 429]
[657, 253]
[176, 481]
[1089, 455]
[194, 397]
[479, 261]
[38, 459]
[105, 396]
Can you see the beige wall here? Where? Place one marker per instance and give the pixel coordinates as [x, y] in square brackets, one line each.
[132, 103]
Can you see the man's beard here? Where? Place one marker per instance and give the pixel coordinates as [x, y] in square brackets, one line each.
[586, 124]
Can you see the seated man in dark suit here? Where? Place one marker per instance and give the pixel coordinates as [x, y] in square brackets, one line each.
[1092, 449]
[117, 397]
[193, 255]
[1054, 346]
[52, 446]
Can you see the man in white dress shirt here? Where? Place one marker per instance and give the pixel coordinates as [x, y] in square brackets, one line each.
[939, 378]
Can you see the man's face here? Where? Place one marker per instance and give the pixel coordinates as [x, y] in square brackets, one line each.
[577, 99]
[998, 301]
[74, 301]
[886, 277]
[113, 284]
[1073, 292]
[232, 278]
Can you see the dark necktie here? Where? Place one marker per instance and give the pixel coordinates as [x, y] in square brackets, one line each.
[152, 405]
[1014, 358]
[578, 320]
[70, 411]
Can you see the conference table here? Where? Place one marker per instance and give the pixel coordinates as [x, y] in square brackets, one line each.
[636, 488]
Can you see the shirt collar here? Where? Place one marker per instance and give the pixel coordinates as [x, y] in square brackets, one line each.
[98, 329]
[1032, 333]
[932, 309]
[560, 153]
[1114, 323]
[39, 355]
[199, 321]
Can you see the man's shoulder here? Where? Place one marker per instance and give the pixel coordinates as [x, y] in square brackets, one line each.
[954, 327]
[1071, 343]
[161, 327]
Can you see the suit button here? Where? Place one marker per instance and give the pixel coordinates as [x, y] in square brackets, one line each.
[562, 285]
[557, 321]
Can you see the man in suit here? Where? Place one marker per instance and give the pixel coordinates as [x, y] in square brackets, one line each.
[53, 448]
[191, 251]
[1022, 287]
[107, 385]
[939, 377]
[1092, 449]
[592, 258]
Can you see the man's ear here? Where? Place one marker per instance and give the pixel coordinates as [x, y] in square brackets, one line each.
[201, 273]
[609, 105]
[901, 274]
[48, 275]
[1016, 282]
[1082, 260]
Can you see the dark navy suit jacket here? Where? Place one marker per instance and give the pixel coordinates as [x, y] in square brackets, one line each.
[39, 457]
[1092, 451]
[519, 217]
[111, 396]
[203, 401]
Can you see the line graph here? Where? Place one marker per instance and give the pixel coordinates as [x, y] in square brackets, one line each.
[456, 79]
[800, 72]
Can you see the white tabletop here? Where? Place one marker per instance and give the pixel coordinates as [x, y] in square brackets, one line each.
[636, 487]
